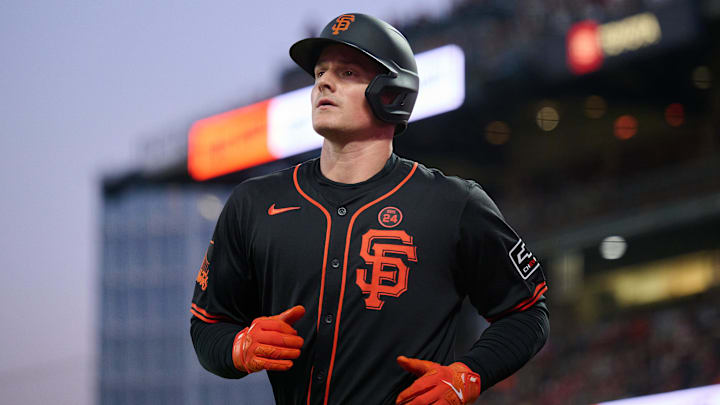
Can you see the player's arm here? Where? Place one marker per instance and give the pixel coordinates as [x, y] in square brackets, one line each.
[506, 284]
[504, 348]
[230, 337]
[508, 344]
[213, 346]
[512, 299]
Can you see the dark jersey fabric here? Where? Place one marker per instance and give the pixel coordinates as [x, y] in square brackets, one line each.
[381, 267]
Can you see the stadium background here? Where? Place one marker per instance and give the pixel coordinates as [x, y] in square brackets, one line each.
[610, 170]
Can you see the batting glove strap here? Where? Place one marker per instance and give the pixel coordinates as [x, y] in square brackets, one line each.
[467, 380]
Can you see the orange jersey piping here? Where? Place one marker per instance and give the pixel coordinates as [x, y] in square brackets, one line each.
[324, 264]
[205, 316]
[327, 239]
[310, 385]
[540, 289]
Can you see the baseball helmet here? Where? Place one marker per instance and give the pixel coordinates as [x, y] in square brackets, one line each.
[382, 43]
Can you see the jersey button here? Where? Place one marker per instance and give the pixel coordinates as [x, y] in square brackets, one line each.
[328, 318]
[342, 211]
[320, 375]
[335, 263]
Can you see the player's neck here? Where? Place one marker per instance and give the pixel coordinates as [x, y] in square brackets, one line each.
[354, 162]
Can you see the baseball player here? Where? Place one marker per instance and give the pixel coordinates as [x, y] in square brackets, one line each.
[344, 275]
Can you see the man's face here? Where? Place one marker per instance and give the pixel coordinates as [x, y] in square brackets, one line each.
[339, 107]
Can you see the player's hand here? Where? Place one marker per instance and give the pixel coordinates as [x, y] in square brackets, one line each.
[269, 343]
[455, 384]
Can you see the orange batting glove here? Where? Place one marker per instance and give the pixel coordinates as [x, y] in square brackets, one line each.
[270, 343]
[455, 384]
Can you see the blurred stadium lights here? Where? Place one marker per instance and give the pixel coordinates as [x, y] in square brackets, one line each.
[613, 247]
[625, 127]
[702, 77]
[282, 126]
[589, 44]
[547, 118]
[584, 53]
[630, 34]
[675, 114]
[595, 107]
[650, 282]
[665, 279]
[209, 207]
[497, 133]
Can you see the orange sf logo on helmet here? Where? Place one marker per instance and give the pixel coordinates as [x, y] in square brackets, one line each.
[343, 23]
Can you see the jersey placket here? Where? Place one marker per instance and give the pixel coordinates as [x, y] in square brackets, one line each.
[334, 270]
[342, 217]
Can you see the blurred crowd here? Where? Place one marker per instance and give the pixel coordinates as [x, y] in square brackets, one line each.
[626, 355]
[545, 202]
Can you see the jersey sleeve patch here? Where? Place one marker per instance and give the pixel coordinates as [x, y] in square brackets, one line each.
[523, 260]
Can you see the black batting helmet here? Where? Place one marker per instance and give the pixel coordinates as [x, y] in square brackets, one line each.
[384, 44]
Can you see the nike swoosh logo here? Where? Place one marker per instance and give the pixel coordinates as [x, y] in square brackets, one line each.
[274, 211]
[457, 391]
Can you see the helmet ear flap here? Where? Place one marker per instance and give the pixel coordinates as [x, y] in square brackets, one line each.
[392, 97]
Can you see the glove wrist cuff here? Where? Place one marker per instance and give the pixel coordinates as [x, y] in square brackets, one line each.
[471, 379]
[238, 351]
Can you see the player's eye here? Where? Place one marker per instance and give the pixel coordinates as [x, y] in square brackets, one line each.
[318, 74]
[348, 73]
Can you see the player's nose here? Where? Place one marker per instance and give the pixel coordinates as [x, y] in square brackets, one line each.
[325, 82]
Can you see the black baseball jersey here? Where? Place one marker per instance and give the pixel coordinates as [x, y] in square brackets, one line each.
[381, 267]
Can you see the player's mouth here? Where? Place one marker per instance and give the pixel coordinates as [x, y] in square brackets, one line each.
[325, 102]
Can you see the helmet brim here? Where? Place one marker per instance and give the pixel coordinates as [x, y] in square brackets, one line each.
[307, 51]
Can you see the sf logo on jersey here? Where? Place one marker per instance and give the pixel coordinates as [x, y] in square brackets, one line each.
[387, 273]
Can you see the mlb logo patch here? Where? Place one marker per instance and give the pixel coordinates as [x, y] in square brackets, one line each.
[524, 261]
